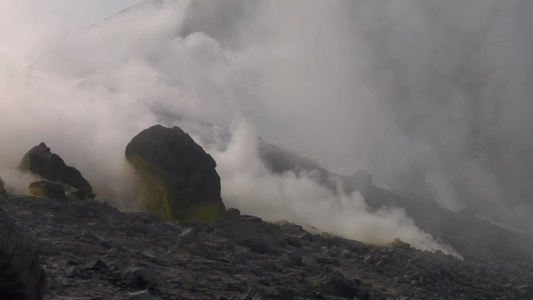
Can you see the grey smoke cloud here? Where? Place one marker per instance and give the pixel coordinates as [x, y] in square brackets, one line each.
[432, 97]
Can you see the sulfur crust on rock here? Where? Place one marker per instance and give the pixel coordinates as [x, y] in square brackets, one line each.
[46, 189]
[37, 191]
[157, 200]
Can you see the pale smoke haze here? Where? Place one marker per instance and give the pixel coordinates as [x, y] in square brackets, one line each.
[432, 97]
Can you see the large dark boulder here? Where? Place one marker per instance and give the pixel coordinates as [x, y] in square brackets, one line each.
[21, 276]
[179, 180]
[41, 161]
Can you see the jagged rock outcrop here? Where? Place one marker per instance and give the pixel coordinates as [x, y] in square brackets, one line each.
[179, 180]
[2, 189]
[41, 161]
[21, 276]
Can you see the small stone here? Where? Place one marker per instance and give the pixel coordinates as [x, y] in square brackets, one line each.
[73, 272]
[112, 244]
[287, 261]
[140, 295]
[201, 249]
[49, 274]
[264, 281]
[97, 265]
[296, 256]
[141, 277]
[233, 211]
[341, 287]
[90, 238]
[114, 253]
[306, 236]
[326, 260]
[346, 254]
[252, 293]
[396, 281]
[188, 237]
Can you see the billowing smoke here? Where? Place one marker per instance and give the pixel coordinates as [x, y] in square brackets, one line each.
[432, 97]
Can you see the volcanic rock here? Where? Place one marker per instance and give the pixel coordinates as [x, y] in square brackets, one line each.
[188, 237]
[41, 161]
[2, 189]
[179, 180]
[250, 232]
[21, 276]
[341, 287]
[48, 189]
[141, 277]
[70, 235]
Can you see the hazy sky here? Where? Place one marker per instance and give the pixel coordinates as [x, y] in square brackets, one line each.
[81, 12]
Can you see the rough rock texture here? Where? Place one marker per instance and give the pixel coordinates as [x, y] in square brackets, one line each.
[41, 161]
[89, 250]
[20, 274]
[2, 189]
[45, 188]
[178, 177]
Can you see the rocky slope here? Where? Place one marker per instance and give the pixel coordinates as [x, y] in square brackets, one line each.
[473, 238]
[89, 250]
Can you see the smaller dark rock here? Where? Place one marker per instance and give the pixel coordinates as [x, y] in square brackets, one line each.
[233, 212]
[2, 189]
[41, 161]
[201, 249]
[111, 244]
[73, 272]
[21, 276]
[82, 195]
[141, 277]
[252, 293]
[140, 295]
[264, 281]
[296, 257]
[252, 219]
[97, 265]
[188, 237]
[361, 250]
[90, 238]
[363, 294]
[341, 287]
[46, 189]
[323, 260]
[346, 254]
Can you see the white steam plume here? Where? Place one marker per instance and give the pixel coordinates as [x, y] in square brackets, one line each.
[428, 95]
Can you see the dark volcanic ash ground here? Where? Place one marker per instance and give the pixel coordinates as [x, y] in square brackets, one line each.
[89, 250]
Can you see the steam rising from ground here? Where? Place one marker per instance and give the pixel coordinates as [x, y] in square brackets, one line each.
[432, 97]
